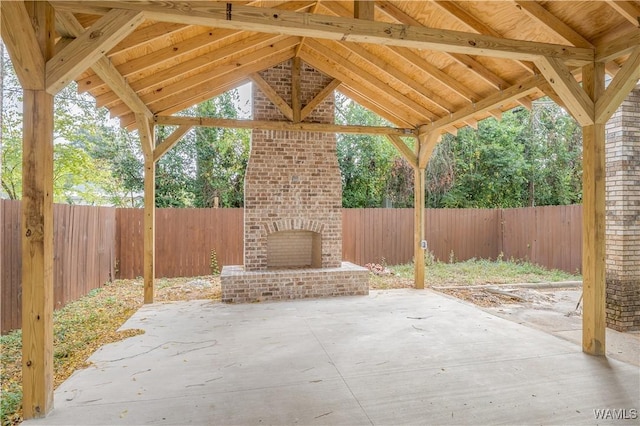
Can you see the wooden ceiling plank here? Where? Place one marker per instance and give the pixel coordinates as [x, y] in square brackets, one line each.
[319, 98]
[212, 60]
[443, 78]
[619, 88]
[85, 50]
[403, 149]
[174, 51]
[476, 25]
[147, 34]
[196, 92]
[628, 9]
[441, 104]
[553, 23]
[270, 20]
[480, 70]
[105, 69]
[383, 88]
[565, 85]
[230, 66]
[282, 125]
[623, 45]
[22, 45]
[163, 147]
[496, 100]
[466, 18]
[384, 107]
[272, 95]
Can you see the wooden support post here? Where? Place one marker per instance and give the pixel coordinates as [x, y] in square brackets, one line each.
[593, 221]
[149, 228]
[37, 227]
[418, 221]
[296, 95]
[147, 140]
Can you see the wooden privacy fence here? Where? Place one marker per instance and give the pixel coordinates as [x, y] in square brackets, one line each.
[84, 255]
[95, 244]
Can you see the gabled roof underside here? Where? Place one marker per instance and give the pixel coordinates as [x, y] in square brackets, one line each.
[170, 64]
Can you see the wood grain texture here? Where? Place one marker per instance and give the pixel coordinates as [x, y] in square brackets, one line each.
[85, 50]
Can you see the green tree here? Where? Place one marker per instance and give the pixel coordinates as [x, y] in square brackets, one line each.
[365, 161]
[221, 155]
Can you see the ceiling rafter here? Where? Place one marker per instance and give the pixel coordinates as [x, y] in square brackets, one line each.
[628, 9]
[496, 100]
[474, 24]
[372, 106]
[374, 82]
[271, 20]
[147, 34]
[195, 92]
[432, 98]
[541, 15]
[103, 67]
[85, 50]
[357, 91]
[226, 60]
[466, 60]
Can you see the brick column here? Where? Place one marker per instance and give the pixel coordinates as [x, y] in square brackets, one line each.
[623, 215]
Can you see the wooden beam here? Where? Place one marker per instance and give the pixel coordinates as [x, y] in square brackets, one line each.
[630, 10]
[22, 44]
[319, 98]
[403, 149]
[364, 9]
[621, 46]
[428, 143]
[105, 69]
[510, 94]
[553, 23]
[624, 81]
[85, 50]
[269, 20]
[281, 125]
[566, 86]
[272, 95]
[232, 66]
[170, 141]
[593, 221]
[146, 134]
[296, 90]
[370, 81]
[439, 103]
[391, 109]
[37, 218]
[418, 221]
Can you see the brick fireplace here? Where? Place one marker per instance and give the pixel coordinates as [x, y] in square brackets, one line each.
[293, 204]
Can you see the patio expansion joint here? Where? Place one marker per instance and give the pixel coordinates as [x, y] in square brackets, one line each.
[338, 371]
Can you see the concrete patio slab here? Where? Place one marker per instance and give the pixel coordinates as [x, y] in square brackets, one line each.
[393, 357]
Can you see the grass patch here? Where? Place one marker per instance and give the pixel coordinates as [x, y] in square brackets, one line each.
[483, 271]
